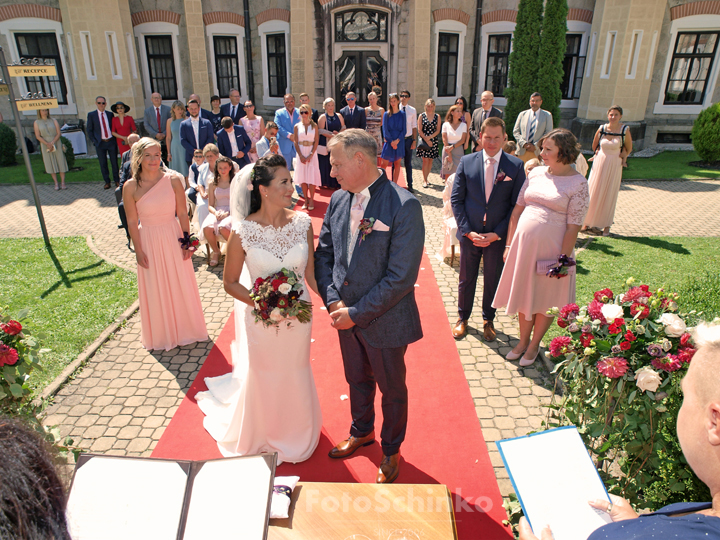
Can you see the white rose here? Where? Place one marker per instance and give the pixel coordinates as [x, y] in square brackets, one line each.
[276, 315]
[647, 379]
[612, 312]
[674, 325]
[284, 288]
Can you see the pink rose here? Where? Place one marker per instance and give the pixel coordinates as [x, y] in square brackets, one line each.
[613, 367]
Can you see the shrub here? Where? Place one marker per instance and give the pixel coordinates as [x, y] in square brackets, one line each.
[69, 152]
[706, 135]
[8, 146]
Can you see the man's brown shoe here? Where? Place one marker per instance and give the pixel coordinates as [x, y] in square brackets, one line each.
[349, 445]
[489, 331]
[389, 469]
[460, 329]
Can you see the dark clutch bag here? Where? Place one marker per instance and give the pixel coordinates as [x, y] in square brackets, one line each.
[422, 145]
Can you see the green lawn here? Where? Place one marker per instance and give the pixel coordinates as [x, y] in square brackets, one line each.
[667, 166]
[18, 173]
[688, 266]
[72, 295]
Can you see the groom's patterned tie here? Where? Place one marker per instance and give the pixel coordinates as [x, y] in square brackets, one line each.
[356, 215]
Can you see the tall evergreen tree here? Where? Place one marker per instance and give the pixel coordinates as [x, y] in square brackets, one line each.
[552, 53]
[524, 62]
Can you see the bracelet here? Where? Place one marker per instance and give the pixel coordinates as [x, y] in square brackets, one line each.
[507, 246]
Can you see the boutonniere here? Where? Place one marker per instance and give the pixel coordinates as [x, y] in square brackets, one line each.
[500, 176]
[365, 228]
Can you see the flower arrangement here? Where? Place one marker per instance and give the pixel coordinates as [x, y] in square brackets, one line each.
[621, 363]
[19, 354]
[189, 242]
[277, 297]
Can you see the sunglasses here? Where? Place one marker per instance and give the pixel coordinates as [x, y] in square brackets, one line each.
[350, 99]
[404, 96]
[304, 112]
[100, 102]
[248, 106]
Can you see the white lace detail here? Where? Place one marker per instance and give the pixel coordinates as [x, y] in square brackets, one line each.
[276, 241]
[557, 200]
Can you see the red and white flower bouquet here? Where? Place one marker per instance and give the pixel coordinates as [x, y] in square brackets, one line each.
[277, 298]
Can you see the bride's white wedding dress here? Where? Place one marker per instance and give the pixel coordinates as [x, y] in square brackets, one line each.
[269, 402]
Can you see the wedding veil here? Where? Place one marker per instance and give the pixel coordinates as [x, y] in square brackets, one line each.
[240, 194]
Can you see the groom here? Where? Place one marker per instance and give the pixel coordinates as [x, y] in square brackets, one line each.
[366, 264]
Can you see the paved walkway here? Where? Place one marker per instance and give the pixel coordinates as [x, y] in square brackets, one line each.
[123, 398]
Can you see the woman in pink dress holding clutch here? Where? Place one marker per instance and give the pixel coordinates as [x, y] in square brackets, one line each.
[170, 309]
[543, 227]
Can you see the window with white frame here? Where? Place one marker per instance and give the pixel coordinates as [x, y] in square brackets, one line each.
[45, 46]
[159, 60]
[692, 63]
[573, 67]
[449, 50]
[275, 42]
[227, 71]
[498, 54]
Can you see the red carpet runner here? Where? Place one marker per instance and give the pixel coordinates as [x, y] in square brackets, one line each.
[444, 442]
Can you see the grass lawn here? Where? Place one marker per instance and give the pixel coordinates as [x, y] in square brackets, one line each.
[667, 165]
[18, 173]
[688, 266]
[72, 295]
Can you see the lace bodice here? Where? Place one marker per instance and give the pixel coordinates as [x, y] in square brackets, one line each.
[558, 200]
[269, 250]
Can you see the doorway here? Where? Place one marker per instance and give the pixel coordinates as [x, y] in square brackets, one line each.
[359, 72]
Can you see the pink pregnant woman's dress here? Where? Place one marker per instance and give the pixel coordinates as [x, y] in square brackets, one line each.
[170, 309]
[551, 203]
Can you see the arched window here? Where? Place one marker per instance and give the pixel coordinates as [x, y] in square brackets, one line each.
[361, 25]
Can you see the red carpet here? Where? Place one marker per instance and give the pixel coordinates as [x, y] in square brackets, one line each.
[444, 442]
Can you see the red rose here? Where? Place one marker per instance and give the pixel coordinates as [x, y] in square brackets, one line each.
[604, 296]
[625, 345]
[265, 315]
[569, 311]
[560, 346]
[585, 339]
[262, 304]
[595, 311]
[8, 355]
[645, 288]
[258, 282]
[630, 336]
[282, 303]
[637, 292]
[685, 339]
[562, 323]
[614, 329]
[642, 309]
[685, 354]
[276, 284]
[11, 328]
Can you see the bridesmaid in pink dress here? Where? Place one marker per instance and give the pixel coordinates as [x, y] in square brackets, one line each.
[170, 309]
[544, 224]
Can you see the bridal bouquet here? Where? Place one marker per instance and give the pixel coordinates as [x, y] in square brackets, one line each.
[277, 297]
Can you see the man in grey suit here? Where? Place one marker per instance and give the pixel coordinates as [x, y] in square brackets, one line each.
[531, 126]
[155, 120]
[366, 264]
[485, 111]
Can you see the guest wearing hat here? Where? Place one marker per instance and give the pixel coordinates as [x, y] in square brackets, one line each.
[122, 125]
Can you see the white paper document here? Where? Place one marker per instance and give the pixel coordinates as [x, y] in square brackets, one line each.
[554, 479]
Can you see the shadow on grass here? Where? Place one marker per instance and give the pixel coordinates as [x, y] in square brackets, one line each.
[65, 279]
[606, 249]
[658, 244]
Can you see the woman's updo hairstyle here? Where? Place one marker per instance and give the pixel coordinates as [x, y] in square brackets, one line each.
[567, 144]
[262, 174]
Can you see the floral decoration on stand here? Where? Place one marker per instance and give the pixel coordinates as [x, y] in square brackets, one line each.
[365, 228]
[277, 298]
[621, 364]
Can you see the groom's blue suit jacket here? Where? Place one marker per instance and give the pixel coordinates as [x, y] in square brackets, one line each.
[378, 286]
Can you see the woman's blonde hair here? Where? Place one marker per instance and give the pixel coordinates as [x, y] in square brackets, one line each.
[138, 151]
[40, 115]
[308, 108]
[174, 106]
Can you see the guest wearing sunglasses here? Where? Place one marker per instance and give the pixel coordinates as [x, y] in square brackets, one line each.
[99, 129]
[307, 169]
[354, 116]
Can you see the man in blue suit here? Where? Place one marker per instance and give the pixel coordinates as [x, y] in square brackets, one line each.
[366, 264]
[233, 142]
[99, 129]
[486, 188]
[234, 109]
[195, 132]
[286, 118]
[353, 115]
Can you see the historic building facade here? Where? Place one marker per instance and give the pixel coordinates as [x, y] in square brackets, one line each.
[658, 59]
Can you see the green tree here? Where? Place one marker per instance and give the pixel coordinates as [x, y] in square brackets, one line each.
[524, 62]
[552, 53]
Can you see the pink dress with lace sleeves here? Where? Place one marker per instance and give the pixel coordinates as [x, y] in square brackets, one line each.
[551, 203]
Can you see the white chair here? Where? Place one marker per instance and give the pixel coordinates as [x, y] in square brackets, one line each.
[449, 224]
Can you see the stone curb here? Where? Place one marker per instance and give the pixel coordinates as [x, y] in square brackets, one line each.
[100, 254]
[84, 356]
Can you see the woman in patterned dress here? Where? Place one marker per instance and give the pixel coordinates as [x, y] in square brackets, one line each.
[429, 123]
[255, 128]
[374, 118]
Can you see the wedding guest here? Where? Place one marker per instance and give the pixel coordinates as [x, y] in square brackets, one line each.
[176, 150]
[47, 132]
[219, 221]
[305, 100]
[353, 115]
[510, 147]
[329, 125]
[531, 126]
[612, 141]
[204, 113]
[454, 136]
[195, 132]
[155, 121]
[122, 125]
[125, 175]
[544, 225]
[32, 495]
[286, 118]
[429, 123]
[411, 131]
[170, 309]
[191, 191]
[216, 114]
[307, 169]
[98, 128]
[373, 121]
[202, 183]
[393, 127]
[233, 109]
[486, 187]
[485, 111]
[465, 118]
[233, 142]
[268, 143]
[254, 127]
[698, 433]
[531, 164]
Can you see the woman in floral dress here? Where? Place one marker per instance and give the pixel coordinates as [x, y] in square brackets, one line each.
[255, 128]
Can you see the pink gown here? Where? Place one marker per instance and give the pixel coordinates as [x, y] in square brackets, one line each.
[170, 309]
[604, 183]
[551, 203]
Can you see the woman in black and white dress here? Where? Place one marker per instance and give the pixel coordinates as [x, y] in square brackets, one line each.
[429, 124]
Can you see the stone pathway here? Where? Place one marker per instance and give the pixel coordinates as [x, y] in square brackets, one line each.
[122, 399]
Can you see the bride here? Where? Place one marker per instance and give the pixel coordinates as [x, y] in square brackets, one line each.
[269, 402]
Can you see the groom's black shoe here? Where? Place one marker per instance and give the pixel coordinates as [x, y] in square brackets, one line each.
[349, 445]
[389, 469]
